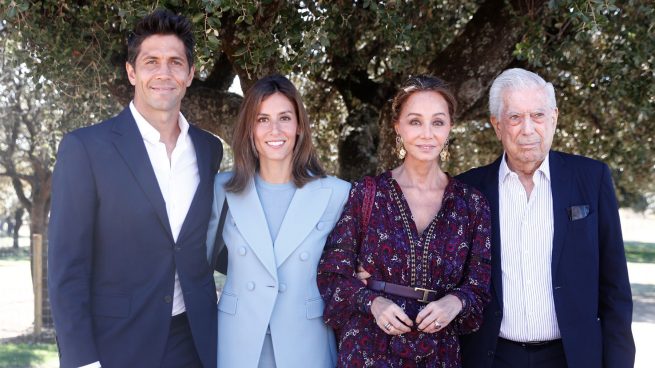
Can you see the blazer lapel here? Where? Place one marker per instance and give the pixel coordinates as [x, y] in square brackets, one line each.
[304, 212]
[249, 217]
[204, 172]
[129, 143]
[561, 179]
[490, 190]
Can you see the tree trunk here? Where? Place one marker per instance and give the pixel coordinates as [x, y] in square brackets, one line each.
[39, 213]
[18, 221]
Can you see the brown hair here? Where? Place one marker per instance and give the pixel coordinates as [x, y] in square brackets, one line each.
[161, 22]
[306, 166]
[422, 83]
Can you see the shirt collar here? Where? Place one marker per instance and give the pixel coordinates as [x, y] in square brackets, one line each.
[504, 170]
[150, 134]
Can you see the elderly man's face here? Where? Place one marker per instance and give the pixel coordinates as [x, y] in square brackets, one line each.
[525, 127]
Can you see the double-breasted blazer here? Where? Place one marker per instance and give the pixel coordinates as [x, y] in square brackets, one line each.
[590, 285]
[112, 257]
[272, 282]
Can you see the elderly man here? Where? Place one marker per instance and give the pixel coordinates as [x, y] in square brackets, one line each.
[560, 290]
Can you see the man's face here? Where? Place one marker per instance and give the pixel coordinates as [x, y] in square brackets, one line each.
[160, 74]
[526, 126]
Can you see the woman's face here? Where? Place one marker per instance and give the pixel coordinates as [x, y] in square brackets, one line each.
[424, 124]
[276, 125]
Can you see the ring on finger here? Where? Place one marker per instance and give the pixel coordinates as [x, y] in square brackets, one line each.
[437, 325]
[387, 326]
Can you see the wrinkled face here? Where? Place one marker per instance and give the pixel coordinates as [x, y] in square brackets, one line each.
[276, 127]
[160, 74]
[526, 126]
[424, 124]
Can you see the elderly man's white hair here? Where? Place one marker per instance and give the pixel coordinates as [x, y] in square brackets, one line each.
[513, 80]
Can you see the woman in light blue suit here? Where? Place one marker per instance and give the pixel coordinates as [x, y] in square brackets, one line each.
[280, 209]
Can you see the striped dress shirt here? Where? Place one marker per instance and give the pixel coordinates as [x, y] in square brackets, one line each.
[526, 237]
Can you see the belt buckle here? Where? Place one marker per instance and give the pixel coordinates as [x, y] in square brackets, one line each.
[426, 293]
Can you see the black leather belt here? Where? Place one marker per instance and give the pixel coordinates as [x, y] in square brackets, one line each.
[532, 344]
[420, 294]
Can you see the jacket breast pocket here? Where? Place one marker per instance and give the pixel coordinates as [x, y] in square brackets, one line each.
[315, 307]
[115, 306]
[228, 303]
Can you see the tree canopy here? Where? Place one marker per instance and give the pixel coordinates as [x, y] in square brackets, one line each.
[348, 57]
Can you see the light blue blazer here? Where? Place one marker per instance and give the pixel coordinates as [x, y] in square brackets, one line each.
[273, 281]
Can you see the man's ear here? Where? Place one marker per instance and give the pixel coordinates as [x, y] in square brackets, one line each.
[131, 73]
[496, 124]
[192, 73]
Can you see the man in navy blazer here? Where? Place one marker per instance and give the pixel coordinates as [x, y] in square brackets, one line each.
[560, 290]
[129, 281]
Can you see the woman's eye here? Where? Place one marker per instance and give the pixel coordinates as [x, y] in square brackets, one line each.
[438, 123]
[414, 122]
[262, 120]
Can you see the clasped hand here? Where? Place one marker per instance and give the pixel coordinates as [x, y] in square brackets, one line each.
[393, 320]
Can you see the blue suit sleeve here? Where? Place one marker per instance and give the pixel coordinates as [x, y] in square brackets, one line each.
[70, 253]
[615, 305]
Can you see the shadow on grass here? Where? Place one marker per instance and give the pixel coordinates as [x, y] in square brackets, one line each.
[29, 351]
[14, 254]
[24, 355]
[640, 252]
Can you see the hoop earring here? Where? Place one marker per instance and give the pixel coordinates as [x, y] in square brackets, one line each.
[400, 148]
[445, 155]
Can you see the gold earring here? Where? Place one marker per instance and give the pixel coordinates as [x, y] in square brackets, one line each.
[400, 148]
[445, 155]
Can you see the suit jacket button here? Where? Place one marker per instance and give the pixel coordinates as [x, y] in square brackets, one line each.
[320, 225]
[178, 248]
[251, 286]
[304, 256]
[242, 251]
[168, 299]
[490, 353]
[283, 287]
[497, 313]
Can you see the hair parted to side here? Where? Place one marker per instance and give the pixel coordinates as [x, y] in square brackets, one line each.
[422, 83]
[306, 166]
[513, 80]
[161, 22]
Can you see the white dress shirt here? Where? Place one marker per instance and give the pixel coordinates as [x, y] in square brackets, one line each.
[526, 237]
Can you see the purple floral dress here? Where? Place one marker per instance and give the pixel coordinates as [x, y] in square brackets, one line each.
[458, 263]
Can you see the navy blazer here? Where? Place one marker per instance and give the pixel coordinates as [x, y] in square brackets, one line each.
[593, 301]
[112, 258]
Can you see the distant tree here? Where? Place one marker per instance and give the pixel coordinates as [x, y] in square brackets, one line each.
[34, 116]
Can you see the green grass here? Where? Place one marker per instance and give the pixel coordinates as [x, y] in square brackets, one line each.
[13, 254]
[25, 355]
[640, 252]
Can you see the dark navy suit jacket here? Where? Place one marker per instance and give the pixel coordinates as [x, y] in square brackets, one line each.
[591, 290]
[112, 257]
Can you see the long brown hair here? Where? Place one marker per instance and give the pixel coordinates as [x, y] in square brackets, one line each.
[306, 166]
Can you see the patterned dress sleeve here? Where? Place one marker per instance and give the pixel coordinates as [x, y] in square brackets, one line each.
[344, 294]
[474, 288]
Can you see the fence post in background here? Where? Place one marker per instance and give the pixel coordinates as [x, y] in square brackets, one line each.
[37, 281]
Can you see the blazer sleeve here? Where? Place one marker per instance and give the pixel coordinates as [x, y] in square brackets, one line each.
[615, 304]
[70, 253]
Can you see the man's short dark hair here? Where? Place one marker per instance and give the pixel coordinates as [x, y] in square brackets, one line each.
[161, 22]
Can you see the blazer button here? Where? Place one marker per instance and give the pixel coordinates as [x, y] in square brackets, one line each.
[490, 353]
[251, 286]
[498, 313]
[242, 251]
[168, 299]
[178, 248]
[283, 287]
[320, 225]
[304, 256]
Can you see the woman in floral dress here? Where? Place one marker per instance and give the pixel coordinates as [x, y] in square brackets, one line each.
[423, 246]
